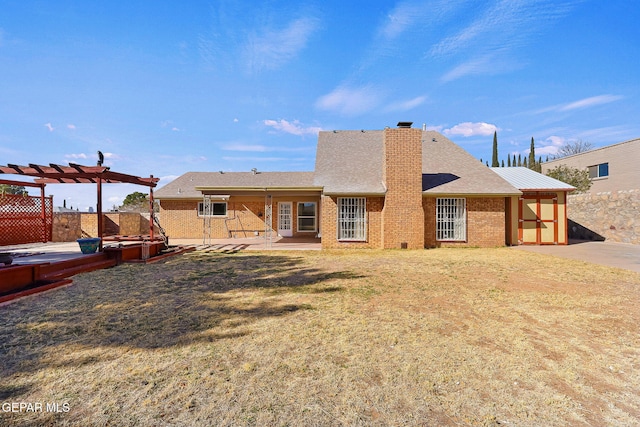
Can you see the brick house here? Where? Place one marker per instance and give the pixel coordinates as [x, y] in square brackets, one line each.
[394, 188]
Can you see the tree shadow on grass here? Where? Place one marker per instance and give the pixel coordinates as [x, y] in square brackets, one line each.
[190, 299]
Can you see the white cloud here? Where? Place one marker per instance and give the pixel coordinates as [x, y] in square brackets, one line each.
[406, 105]
[350, 101]
[48, 126]
[399, 20]
[175, 129]
[294, 128]
[485, 64]
[581, 103]
[270, 48]
[71, 127]
[499, 29]
[472, 129]
[504, 24]
[235, 120]
[590, 102]
[245, 147]
[261, 159]
[76, 156]
[550, 145]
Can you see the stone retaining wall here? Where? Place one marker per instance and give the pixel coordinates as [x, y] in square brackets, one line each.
[69, 226]
[614, 216]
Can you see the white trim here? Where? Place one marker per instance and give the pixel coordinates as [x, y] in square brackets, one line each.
[315, 217]
[202, 214]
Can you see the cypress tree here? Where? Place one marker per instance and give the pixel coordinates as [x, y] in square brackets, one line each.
[502, 165]
[524, 163]
[508, 161]
[514, 161]
[519, 159]
[532, 156]
[494, 159]
[487, 163]
[539, 165]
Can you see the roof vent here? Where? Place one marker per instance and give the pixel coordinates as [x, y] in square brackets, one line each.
[254, 170]
[404, 125]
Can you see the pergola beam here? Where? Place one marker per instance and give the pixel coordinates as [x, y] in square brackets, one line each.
[79, 174]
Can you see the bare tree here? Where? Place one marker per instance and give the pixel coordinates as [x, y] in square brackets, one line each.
[575, 147]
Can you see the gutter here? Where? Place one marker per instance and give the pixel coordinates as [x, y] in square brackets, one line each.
[262, 189]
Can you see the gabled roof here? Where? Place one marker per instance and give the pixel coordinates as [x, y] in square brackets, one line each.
[449, 169]
[527, 179]
[192, 184]
[350, 162]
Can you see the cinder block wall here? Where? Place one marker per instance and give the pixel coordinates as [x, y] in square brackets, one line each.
[329, 226]
[403, 215]
[485, 223]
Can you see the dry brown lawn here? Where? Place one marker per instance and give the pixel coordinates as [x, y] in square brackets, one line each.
[434, 337]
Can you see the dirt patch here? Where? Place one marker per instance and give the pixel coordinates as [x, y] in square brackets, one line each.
[436, 337]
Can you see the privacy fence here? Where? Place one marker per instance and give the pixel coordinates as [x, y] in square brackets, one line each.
[25, 219]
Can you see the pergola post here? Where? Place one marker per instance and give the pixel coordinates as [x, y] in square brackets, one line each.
[43, 214]
[99, 209]
[151, 236]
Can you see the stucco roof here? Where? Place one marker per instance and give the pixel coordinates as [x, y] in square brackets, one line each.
[527, 179]
[449, 169]
[189, 185]
[350, 162]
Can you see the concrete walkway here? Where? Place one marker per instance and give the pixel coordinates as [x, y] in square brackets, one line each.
[620, 255]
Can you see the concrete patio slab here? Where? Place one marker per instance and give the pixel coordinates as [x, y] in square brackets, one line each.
[620, 255]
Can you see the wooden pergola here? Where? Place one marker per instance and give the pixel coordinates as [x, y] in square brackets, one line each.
[79, 174]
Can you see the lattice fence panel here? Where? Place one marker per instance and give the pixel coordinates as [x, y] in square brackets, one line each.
[24, 220]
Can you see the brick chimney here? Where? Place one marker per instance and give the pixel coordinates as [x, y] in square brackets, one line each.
[403, 215]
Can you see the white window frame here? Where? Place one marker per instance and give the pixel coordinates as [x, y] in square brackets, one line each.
[201, 212]
[451, 219]
[314, 217]
[596, 168]
[352, 219]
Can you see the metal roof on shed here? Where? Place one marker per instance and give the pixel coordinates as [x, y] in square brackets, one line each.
[526, 179]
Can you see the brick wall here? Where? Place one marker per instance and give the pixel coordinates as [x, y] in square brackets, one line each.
[403, 215]
[485, 223]
[245, 217]
[330, 224]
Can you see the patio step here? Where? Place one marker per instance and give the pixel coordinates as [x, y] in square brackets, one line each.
[70, 268]
[223, 248]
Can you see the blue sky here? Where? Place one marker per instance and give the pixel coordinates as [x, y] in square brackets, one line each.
[164, 88]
